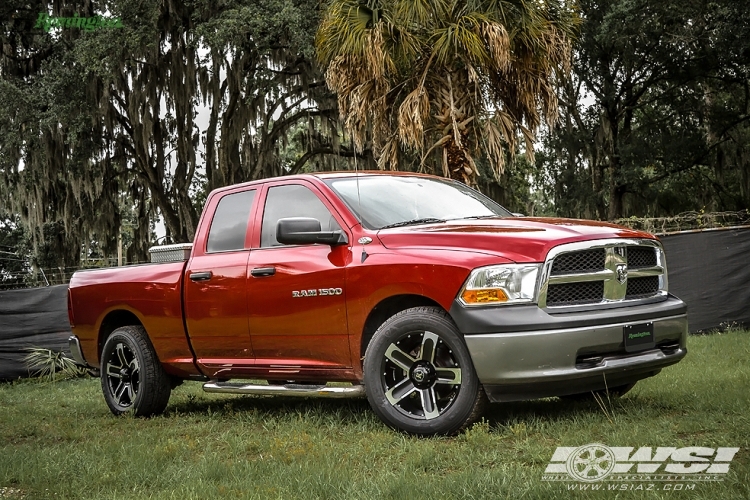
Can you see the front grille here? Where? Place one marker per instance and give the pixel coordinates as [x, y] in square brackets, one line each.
[602, 273]
[585, 261]
[567, 294]
[640, 257]
[639, 288]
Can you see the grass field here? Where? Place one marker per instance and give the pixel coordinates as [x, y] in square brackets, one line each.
[58, 440]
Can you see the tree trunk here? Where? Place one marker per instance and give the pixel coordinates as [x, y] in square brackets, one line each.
[459, 165]
[454, 105]
[616, 190]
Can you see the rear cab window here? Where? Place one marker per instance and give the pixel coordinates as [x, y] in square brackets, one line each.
[230, 222]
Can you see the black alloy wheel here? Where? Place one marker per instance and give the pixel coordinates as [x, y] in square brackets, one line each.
[131, 375]
[419, 376]
[123, 373]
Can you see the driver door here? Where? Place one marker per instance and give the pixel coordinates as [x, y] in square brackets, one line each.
[297, 293]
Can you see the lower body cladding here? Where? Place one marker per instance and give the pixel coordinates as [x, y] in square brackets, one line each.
[560, 360]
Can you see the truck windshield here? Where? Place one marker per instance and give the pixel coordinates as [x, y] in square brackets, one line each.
[390, 201]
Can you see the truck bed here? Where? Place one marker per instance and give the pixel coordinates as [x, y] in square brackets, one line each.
[151, 293]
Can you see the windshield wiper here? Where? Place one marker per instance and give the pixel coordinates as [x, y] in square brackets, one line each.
[481, 216]
[426, 220]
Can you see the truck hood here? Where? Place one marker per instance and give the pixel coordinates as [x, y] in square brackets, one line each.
[520, 239]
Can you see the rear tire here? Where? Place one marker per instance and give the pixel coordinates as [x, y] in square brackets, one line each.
[419, 377]
[131, 375]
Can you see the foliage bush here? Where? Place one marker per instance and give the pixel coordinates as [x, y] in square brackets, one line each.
[51, 365]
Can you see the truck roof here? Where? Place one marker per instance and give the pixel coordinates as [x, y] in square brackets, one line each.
[326, 175]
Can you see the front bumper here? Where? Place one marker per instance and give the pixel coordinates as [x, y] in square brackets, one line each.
[533, 354]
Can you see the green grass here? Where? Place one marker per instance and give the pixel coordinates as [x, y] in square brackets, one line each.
[58, 440]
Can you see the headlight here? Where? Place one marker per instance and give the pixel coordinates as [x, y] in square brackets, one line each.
[502, 284]
[664, 281]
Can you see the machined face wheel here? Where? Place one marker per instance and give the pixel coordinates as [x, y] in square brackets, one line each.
[421, 376]
[132, 378]
[123, 375]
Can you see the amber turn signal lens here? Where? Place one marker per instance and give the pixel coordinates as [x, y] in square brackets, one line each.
[484, 295]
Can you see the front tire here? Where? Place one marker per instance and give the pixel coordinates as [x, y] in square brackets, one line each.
[419, 377]
[131, 375]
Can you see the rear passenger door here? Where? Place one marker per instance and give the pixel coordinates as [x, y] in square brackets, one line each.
[216, 285]
[293, 329]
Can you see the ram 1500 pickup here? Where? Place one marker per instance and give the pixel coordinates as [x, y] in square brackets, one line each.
[415, 291]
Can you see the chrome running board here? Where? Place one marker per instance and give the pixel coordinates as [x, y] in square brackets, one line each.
[308, 390]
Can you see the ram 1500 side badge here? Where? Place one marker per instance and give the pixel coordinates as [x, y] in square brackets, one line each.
[314, 293]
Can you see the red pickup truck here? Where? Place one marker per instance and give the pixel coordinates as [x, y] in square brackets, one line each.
[416, 291]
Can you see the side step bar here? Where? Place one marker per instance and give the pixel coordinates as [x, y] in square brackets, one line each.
[308, 390]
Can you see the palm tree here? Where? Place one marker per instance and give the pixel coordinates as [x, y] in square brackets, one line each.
[457, 77]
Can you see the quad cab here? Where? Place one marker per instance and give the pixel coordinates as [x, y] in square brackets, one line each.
[415, 291]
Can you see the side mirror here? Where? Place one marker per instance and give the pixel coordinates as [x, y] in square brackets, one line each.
[306, 231]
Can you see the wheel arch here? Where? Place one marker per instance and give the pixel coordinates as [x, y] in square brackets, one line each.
[111, 322]
[385, 309]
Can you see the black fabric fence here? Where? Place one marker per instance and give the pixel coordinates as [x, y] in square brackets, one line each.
[35, 317]
[708, 270]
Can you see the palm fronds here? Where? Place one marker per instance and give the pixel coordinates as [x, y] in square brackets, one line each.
[51, 365]
[452, 76]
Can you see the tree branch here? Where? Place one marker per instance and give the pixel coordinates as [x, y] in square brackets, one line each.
[325, 150]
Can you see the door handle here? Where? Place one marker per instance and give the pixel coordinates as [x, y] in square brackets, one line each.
[202, 276]
[263, 271]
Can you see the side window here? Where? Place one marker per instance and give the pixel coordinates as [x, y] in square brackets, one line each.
[292, 201]
[230, 222]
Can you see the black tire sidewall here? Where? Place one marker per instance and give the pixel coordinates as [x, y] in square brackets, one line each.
[420, 319]
[151, 375]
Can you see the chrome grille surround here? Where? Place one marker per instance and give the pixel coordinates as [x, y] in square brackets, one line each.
[615, 289]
